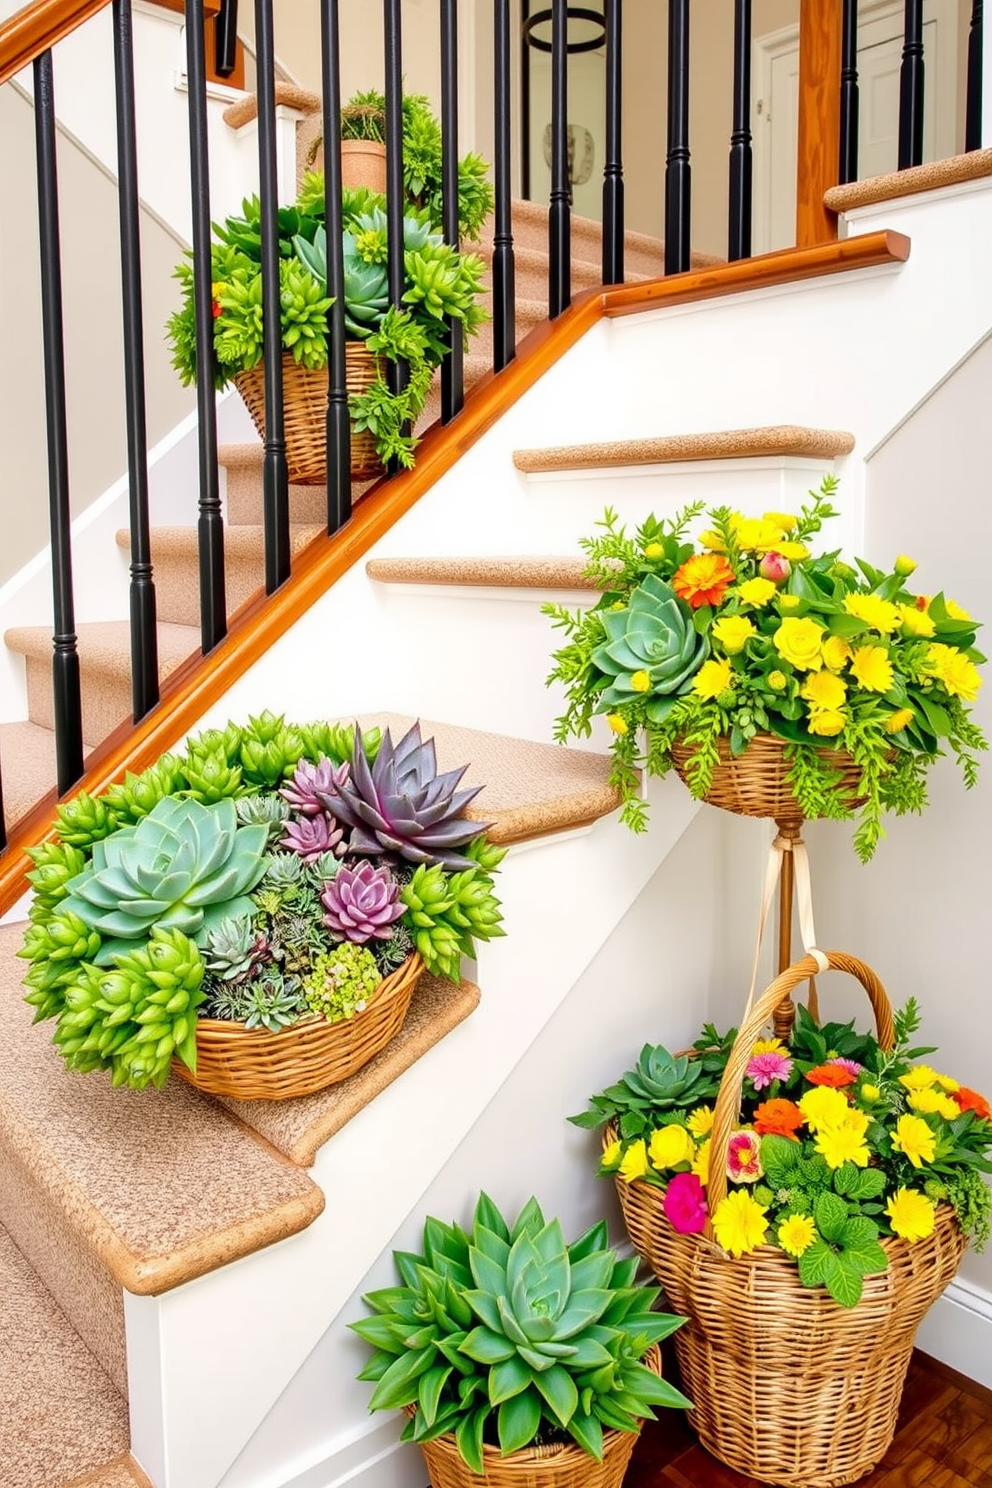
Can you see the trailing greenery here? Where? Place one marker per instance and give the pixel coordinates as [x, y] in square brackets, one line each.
[505, 1335]
[743, 633]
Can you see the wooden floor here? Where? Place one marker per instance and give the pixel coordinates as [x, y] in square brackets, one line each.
[944, 1440]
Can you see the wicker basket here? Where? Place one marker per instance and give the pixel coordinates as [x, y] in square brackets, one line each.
[789, 1387]
[253, 1064]
[754, 783]
[304, 396]
[556, 1466]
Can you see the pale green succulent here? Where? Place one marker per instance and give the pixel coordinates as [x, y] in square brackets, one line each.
[230, 948]
[652, 650]
[269, 811]
[657, 1084]
[184, 866]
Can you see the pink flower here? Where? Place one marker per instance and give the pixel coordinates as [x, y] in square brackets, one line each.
[851, 1065]
[685, 1204]
[762, 1069]
[775, 567]
[744, 1157]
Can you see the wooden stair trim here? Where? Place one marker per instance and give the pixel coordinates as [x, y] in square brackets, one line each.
[974, 166]
[484, 573]
[34, 29]
[194, 686]
[724, 444]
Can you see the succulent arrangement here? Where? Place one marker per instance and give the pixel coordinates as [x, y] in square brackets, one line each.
[271, 873]
[443, 286]
[505, 1335]
[704, 645]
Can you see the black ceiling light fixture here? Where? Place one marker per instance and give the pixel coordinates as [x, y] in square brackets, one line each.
[535, 34]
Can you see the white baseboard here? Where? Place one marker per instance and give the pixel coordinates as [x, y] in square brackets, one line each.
[958, 1331]
[372, 1458]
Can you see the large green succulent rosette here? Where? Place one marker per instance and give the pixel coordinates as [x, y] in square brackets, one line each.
[652, 650]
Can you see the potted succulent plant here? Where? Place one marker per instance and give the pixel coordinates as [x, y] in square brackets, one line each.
[514, 1353]
[776, 682]
[363, 157]
[272, 892]
[442, 284]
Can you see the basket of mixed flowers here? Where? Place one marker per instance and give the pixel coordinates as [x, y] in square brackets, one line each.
[254, 914]
[803, 1203]
[777, 683]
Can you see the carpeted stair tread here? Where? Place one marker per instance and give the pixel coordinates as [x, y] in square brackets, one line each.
[123, 1472]
[497, 573]
[723, 444]
[27, 761]
[105, 645]
[243, 466]
[973, 166]
[299, 1128]
[162, 1185]
[60, 1416]
[531, 789]
[240, 541]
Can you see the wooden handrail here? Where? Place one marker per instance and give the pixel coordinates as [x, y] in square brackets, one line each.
[31, 31]
[201, 681]
[818, 145]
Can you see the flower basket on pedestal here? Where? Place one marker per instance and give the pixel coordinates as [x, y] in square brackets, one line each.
[757, 781]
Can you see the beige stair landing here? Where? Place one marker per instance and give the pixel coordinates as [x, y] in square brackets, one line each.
[722, 444]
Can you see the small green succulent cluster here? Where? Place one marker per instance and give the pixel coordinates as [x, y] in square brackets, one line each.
[256, 877]
[658, 1084]
[505, 1335]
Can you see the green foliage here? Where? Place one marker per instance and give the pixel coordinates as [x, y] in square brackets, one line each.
[658, 1083]
[342, 982]
[448, 913]
[264, 1002]
[508, 1335]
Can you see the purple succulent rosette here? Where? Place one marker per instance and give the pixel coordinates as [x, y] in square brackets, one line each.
[362, 902]
[312, 836]
[301, 791]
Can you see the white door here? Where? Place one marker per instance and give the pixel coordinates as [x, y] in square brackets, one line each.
[880, 41]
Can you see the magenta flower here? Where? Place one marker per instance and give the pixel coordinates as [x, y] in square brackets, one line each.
[851, 1065]
[744, 1156]
[685, 1204]
[762, 1069]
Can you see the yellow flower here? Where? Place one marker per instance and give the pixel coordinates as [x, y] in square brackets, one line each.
[954, 611]
[713, 541]
[635, 1162]
[617, 723]
[914, 1139]
[920, 1077]
[700, 1121]
[951, 667]
[926, 1101]
[823, 1107]
[701, 1162]
[904, 566]
[733, 632]
[777, 680]
[756, 592]
[880, 614]
[799, 642]
[844, 1142]
[794, 551]
[948, 1082]
[916, 622]
[898, 720]
[611, 1156]
[836, 653]
[826, 721]
[872, 667]
[757, 534]
[768, 1046]
[653, 550]
[796, 1234]
[712, 678]
[669, 1146]
[739, 1223]
[824, 690]
[783, 520]
[870, 1093]
[640, 682]
[911, 1214]
[788, 601]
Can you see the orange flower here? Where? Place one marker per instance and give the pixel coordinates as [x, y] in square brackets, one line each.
[834, 1075]
[778, 1118]
[703, 579]
[970, 1100]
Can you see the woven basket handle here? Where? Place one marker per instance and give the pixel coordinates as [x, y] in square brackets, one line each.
[728, 1102]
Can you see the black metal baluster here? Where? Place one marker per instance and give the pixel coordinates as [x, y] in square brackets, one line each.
[678, 171]
[911, 88]
[3, 822]
[144, 638]
[740, 139]
[559, 211]
[613, 216]
[275, 471]
[973, 109]
[504, 290]
[524, 98]
[210, 524]
[452, 377]
[65, 660]
[338, 426]
[226, 38]
[849, 101]
[394, 169]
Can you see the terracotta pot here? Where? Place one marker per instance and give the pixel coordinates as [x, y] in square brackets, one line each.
[363, 163]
